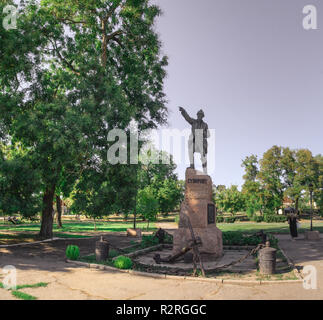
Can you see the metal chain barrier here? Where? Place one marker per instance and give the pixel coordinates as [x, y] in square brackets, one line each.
[252, 252]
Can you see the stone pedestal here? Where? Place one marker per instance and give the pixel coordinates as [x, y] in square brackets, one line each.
[200, 209]
[312, 235]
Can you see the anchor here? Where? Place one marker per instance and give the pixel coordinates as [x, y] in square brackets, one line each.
[193, 245]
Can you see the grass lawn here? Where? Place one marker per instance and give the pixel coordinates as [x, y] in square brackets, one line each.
[10, 234]
[82, 227]
[251, 227]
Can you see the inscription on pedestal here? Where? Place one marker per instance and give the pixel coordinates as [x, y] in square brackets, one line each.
[202, 181]
[210, 214]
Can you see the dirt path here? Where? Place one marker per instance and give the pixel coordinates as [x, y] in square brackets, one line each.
[46, 263]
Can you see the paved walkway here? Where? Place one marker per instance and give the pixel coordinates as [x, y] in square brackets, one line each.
[68, 281]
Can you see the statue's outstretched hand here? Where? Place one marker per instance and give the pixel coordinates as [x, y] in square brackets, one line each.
[181, 109]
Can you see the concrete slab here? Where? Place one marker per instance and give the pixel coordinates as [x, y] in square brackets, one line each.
[228, 256]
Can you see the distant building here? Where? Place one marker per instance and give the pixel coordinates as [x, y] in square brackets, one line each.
[287, 202]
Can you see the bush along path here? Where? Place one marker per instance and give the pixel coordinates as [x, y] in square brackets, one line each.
[22, 295]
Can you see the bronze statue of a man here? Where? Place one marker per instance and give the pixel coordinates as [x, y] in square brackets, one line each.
[198, 139]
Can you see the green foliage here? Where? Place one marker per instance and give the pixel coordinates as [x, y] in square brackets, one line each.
[273, 241]
[270, 174]
[177, 219]
[318, 191]
[147, 204]
[250, 164]
[274, 218]
[229, 219]
[162, 180]
[148, 241]
[113, 253]
[169, 195]
[86, 67]
[230, 200]
[19, 183]
[239, 239]
[258, 219]
[72, 252]
[101, 193]
[219, 219]
[282, 173]
[123, 262]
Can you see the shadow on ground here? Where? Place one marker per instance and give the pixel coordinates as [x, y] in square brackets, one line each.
[51, 255]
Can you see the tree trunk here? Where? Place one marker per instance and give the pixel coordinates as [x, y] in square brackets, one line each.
[104, 44]
[59, 211]
[46, 228]
[134, 218]
[296, 205]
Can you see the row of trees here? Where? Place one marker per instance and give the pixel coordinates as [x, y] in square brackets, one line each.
[142, 189]
[70, 72]
[282, 173]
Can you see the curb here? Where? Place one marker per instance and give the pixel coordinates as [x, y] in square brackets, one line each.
[292, 265]
[172, 277]
[280, 281]
[42, 241]
[242, 282]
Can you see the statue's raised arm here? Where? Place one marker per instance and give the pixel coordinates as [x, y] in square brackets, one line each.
[196, 142]
[186, 116]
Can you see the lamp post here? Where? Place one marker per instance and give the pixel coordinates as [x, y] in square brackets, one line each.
[310, 188]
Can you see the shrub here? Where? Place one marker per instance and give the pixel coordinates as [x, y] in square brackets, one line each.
[177, 220]
[274, 218]
[113, 253]
[72, 252]
[229, 220]
[273, 241]
[258, 219]
[219, 219]
[148, 241]
[123, 262]
[238, 238]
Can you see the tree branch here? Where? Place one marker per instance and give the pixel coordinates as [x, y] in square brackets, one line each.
[63, 60]
[114, 34]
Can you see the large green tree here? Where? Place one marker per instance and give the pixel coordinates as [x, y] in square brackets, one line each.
[283, 172]
[20, 183]
[318, 191]
[230, 200]
[95, 65]
[161, 176]
[269, 176]
[300, 170]
[252, 189]
[147, 204]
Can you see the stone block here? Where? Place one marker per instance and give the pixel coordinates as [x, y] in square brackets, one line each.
[312, 235]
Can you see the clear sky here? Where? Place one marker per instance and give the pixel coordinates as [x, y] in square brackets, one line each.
[255, 71]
